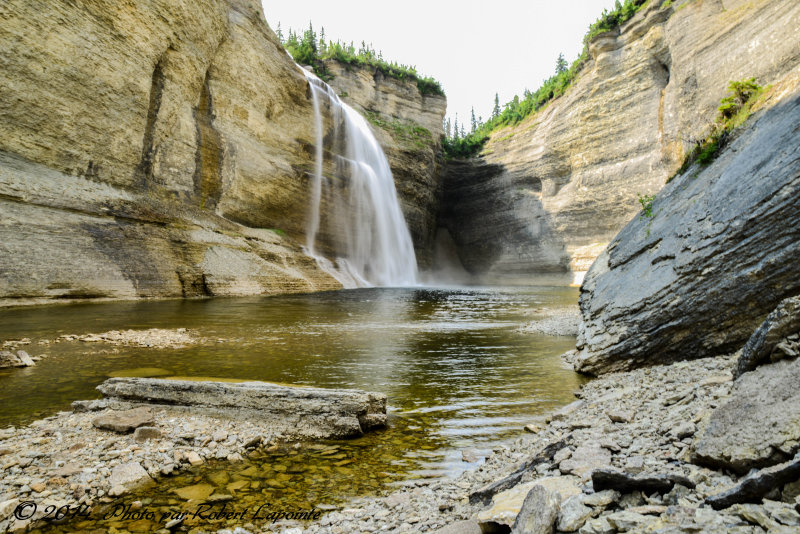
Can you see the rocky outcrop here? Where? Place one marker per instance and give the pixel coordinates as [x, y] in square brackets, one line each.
[151, 152]
[716, 257]
[777, 338]
[301, 411]
[408, 125]
[549, 193]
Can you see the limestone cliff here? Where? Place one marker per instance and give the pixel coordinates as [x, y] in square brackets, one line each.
[155, 150]
[408, 125]
[549, 193]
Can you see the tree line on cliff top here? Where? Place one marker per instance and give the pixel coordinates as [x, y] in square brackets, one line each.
[310, 49]
[461, 142]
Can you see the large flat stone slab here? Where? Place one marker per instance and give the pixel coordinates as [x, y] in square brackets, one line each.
[760, 424]
[304, 411]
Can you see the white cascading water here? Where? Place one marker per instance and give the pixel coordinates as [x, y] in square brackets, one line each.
[376, 247]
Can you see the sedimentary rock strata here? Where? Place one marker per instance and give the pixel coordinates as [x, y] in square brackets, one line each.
[716, 257]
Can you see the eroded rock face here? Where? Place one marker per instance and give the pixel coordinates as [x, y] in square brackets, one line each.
[552, 191]
[408, 125]
[717, 256]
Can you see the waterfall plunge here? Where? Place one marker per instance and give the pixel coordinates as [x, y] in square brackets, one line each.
[361, 201]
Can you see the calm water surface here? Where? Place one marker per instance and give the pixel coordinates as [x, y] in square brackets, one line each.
[457, 372]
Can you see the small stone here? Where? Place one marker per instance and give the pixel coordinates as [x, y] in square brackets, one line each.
[143, 433]
[598, 526]
[469, 526]
[684, 430]
[193, 458]
[601, 498]
[533, 428]
[624, 521]
[585, 459]
[38, 487]
[620, 416]
[219, 436]
[125, 477]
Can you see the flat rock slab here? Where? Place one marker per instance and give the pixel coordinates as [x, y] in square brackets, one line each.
[125, 421]
[759, 425]
[302, 411]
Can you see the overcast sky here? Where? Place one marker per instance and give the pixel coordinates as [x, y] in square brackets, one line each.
[474, 48]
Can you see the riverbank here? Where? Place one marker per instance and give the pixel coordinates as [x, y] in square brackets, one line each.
[642, 423]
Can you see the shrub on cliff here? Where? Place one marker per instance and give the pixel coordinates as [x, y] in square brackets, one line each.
[309, 50]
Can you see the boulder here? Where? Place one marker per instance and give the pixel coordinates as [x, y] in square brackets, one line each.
[769, 342]
[301, 411]
[759, 425]
[539, 512]
[125, 477]
[717, 255]
[125, 421]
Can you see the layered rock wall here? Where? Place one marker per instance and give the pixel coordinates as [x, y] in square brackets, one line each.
[566, 180]
[718, 254]
[162, 149]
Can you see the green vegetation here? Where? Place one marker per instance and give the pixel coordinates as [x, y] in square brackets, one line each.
[412, 135]
[278, 231]
[463, 144]
[733, 111]
[310, 50]
[647, 205]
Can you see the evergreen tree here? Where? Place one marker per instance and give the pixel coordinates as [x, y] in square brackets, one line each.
[561, 64]
[463, 133]
[448, 131]
[473, 122]
[323, 47]
[496, 109]
[280, 33]
[455, 128]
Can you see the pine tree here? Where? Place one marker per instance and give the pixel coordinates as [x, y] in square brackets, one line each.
[323, 47]
[455, 128]
[473, 122]
[496, 109]
[561, 64]
[463, 133]
[448, 132]
[280, 33]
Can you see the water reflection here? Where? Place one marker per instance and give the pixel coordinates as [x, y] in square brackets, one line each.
[457, 372]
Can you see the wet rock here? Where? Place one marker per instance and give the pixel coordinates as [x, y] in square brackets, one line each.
[538, 513]
[125, 477]
[756, 485]
[303, 411]
[759, 425]
[143, 433]
[196, 492]
[25, 358]
[193, 458]
[763, 345]
[603, 479]
[125, 421]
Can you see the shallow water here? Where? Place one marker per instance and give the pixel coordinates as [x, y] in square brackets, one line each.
[457, 372]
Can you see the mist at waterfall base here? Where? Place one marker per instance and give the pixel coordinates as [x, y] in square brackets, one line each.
[358, 201]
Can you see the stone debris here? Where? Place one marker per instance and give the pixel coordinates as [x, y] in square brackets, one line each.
[157, 338]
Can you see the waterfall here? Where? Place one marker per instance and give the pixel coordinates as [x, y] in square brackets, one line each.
[372, 243]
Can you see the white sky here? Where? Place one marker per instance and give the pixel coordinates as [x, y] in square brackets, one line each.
[474, 48]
